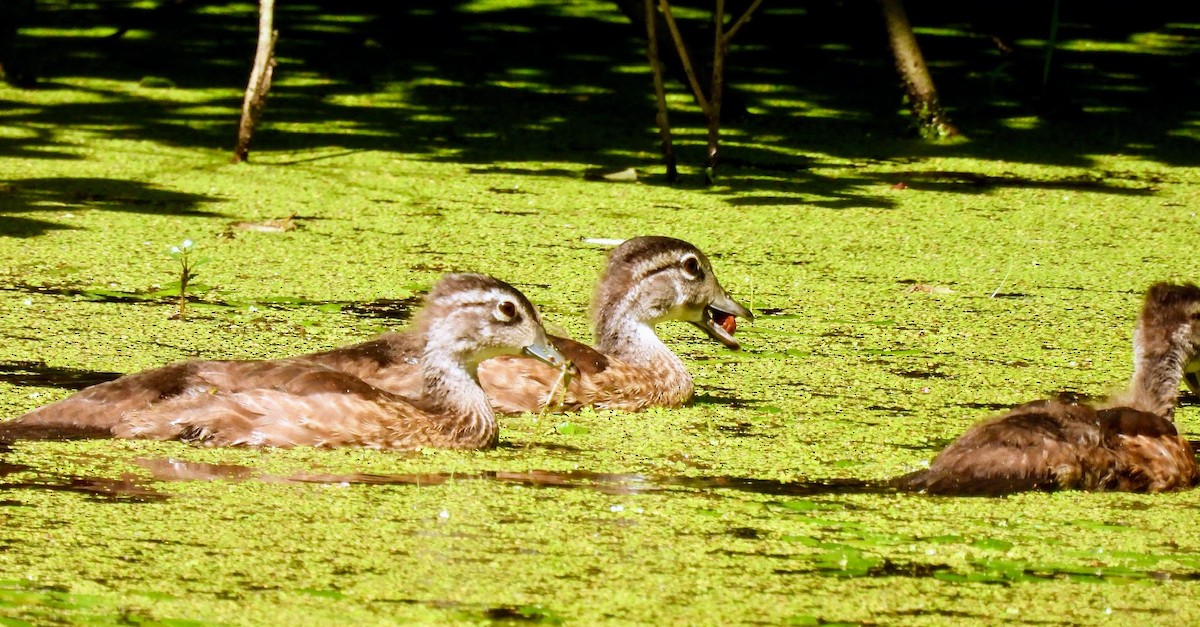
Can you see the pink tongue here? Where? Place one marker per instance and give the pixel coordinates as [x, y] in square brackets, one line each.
[726, 321]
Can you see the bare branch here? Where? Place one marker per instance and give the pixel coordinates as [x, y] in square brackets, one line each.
[660, 93]
[741, 21]
[683, 55]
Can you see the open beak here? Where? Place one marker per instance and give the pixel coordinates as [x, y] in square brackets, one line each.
[720, 319]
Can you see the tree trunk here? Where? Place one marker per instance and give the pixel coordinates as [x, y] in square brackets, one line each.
[260, 79]
[918, 85]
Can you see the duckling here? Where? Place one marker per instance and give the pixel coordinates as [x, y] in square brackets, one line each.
[647, 280]
[467, 318]
[1129, 444]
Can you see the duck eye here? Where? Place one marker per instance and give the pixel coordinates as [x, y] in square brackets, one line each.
[506, 311]
[691, 266]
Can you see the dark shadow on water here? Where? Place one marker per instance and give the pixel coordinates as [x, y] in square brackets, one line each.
[944, 613]
[987, 406]
[946, 180]
[24, 202]
[126, 489]
[891, 409]
[122, 490]
[545, 446]
[850, 563]
[394, 309]
[385, 308]
[615, 483]
[169, 469]
[725, 401]
[921, 374]
[98, 488]
[524, 614]
[39, 374]
[479, 89]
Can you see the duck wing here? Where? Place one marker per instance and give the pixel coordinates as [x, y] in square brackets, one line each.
[388, 362]
[101, 406]
[1044, 445]
[1151, 456]
[309, 405]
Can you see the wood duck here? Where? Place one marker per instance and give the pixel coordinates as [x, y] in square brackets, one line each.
[1128, 444]
[467, 318]
[647, 280]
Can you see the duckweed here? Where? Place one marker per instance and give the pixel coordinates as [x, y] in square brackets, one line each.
[764, 502]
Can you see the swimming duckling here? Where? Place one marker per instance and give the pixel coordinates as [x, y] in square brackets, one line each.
[647, 280]
[1130, 444]
[467, 318]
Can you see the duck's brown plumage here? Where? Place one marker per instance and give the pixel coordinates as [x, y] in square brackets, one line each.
[1129, 445]
[324, 400]
[101, 406]
[646, 280]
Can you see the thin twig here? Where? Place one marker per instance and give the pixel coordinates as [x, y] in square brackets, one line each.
[684, 57]
[660, 93]
[713, 113]
[1051, 43]
[741, 21]
[562, 382]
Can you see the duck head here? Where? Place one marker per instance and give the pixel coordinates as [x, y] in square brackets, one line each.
[474, 317]
[654, 279]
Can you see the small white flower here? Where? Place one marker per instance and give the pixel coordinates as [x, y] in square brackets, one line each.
[28, 301]
[616, 508]
[187, 243]
[175, 250]
[444, 514]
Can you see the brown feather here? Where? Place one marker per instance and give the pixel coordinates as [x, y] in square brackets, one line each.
[341, 397]
[645, 280]
[518, 384]
[1048, 445]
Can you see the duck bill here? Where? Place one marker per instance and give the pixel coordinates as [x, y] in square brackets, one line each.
[543, 350]
[718, 320]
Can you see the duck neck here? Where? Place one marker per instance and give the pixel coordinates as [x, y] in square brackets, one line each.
[1158, 365]
[452, 392]
[634, 342]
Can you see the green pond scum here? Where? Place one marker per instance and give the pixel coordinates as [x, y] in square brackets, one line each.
[904, 290]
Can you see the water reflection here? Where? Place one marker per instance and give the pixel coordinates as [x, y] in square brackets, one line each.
[170, 469]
